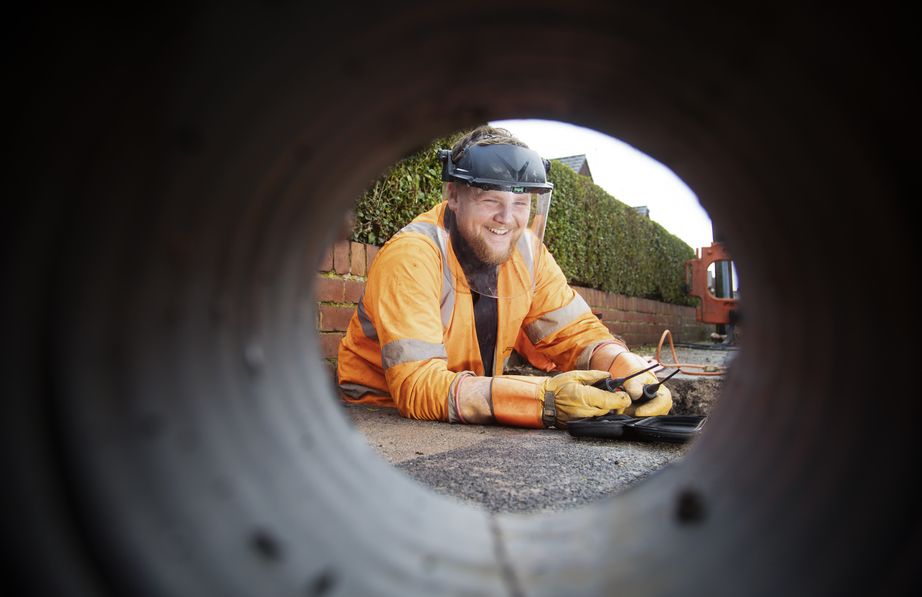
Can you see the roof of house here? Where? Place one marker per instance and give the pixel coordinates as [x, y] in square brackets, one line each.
[577, 163]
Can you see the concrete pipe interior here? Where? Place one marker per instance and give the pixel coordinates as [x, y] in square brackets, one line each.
[170, 431]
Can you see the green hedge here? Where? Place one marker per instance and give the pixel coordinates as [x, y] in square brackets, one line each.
[598, 241]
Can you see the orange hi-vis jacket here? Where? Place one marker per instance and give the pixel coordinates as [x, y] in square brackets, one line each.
[413, 332]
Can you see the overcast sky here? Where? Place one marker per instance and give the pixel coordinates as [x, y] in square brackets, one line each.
[627, 174]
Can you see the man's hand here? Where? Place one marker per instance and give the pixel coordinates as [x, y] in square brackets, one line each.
[575, 398]
[572, 393]
[627, 363]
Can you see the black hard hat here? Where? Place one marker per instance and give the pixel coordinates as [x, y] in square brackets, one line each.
[498, 167]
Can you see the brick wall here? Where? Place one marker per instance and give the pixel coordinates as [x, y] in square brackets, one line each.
[340, 282]
[341, 279]
[642, 321]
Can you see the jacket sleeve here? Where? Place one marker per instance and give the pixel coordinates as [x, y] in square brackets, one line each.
[560, 324]
[402, 296]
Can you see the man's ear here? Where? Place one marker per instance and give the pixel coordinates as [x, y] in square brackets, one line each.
[453, 198]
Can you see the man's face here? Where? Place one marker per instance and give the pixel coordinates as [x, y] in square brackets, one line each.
[490, 221]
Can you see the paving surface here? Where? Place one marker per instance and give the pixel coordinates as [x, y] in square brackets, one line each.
[506, 469]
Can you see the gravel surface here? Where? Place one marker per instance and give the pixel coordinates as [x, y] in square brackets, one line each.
[506, 469]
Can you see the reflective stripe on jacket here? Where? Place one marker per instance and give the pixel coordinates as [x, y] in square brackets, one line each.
[413, 330]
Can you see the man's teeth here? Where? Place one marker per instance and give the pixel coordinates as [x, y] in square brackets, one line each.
[498, 231]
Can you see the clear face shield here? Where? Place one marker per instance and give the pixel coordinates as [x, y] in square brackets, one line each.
[497, 236]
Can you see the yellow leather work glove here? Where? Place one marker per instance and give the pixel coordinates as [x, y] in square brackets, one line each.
[627, 363]
[524, 400]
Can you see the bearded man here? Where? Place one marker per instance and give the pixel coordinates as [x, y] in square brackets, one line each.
[453, 293]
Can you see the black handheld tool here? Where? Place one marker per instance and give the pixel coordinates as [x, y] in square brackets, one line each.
[612, 385]
[668, 428]
[650, 389]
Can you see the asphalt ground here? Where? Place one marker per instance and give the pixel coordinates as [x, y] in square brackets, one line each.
[506, 469]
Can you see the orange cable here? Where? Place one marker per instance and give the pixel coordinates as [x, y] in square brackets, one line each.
[678, 365]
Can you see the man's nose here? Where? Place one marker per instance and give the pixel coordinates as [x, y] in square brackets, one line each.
[504, 213]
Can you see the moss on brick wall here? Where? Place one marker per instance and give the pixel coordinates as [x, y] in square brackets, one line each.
[598, 241]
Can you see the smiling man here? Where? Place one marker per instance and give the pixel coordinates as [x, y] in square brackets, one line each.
[452, 294]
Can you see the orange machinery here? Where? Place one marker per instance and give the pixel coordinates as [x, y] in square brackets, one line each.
[712, 309]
